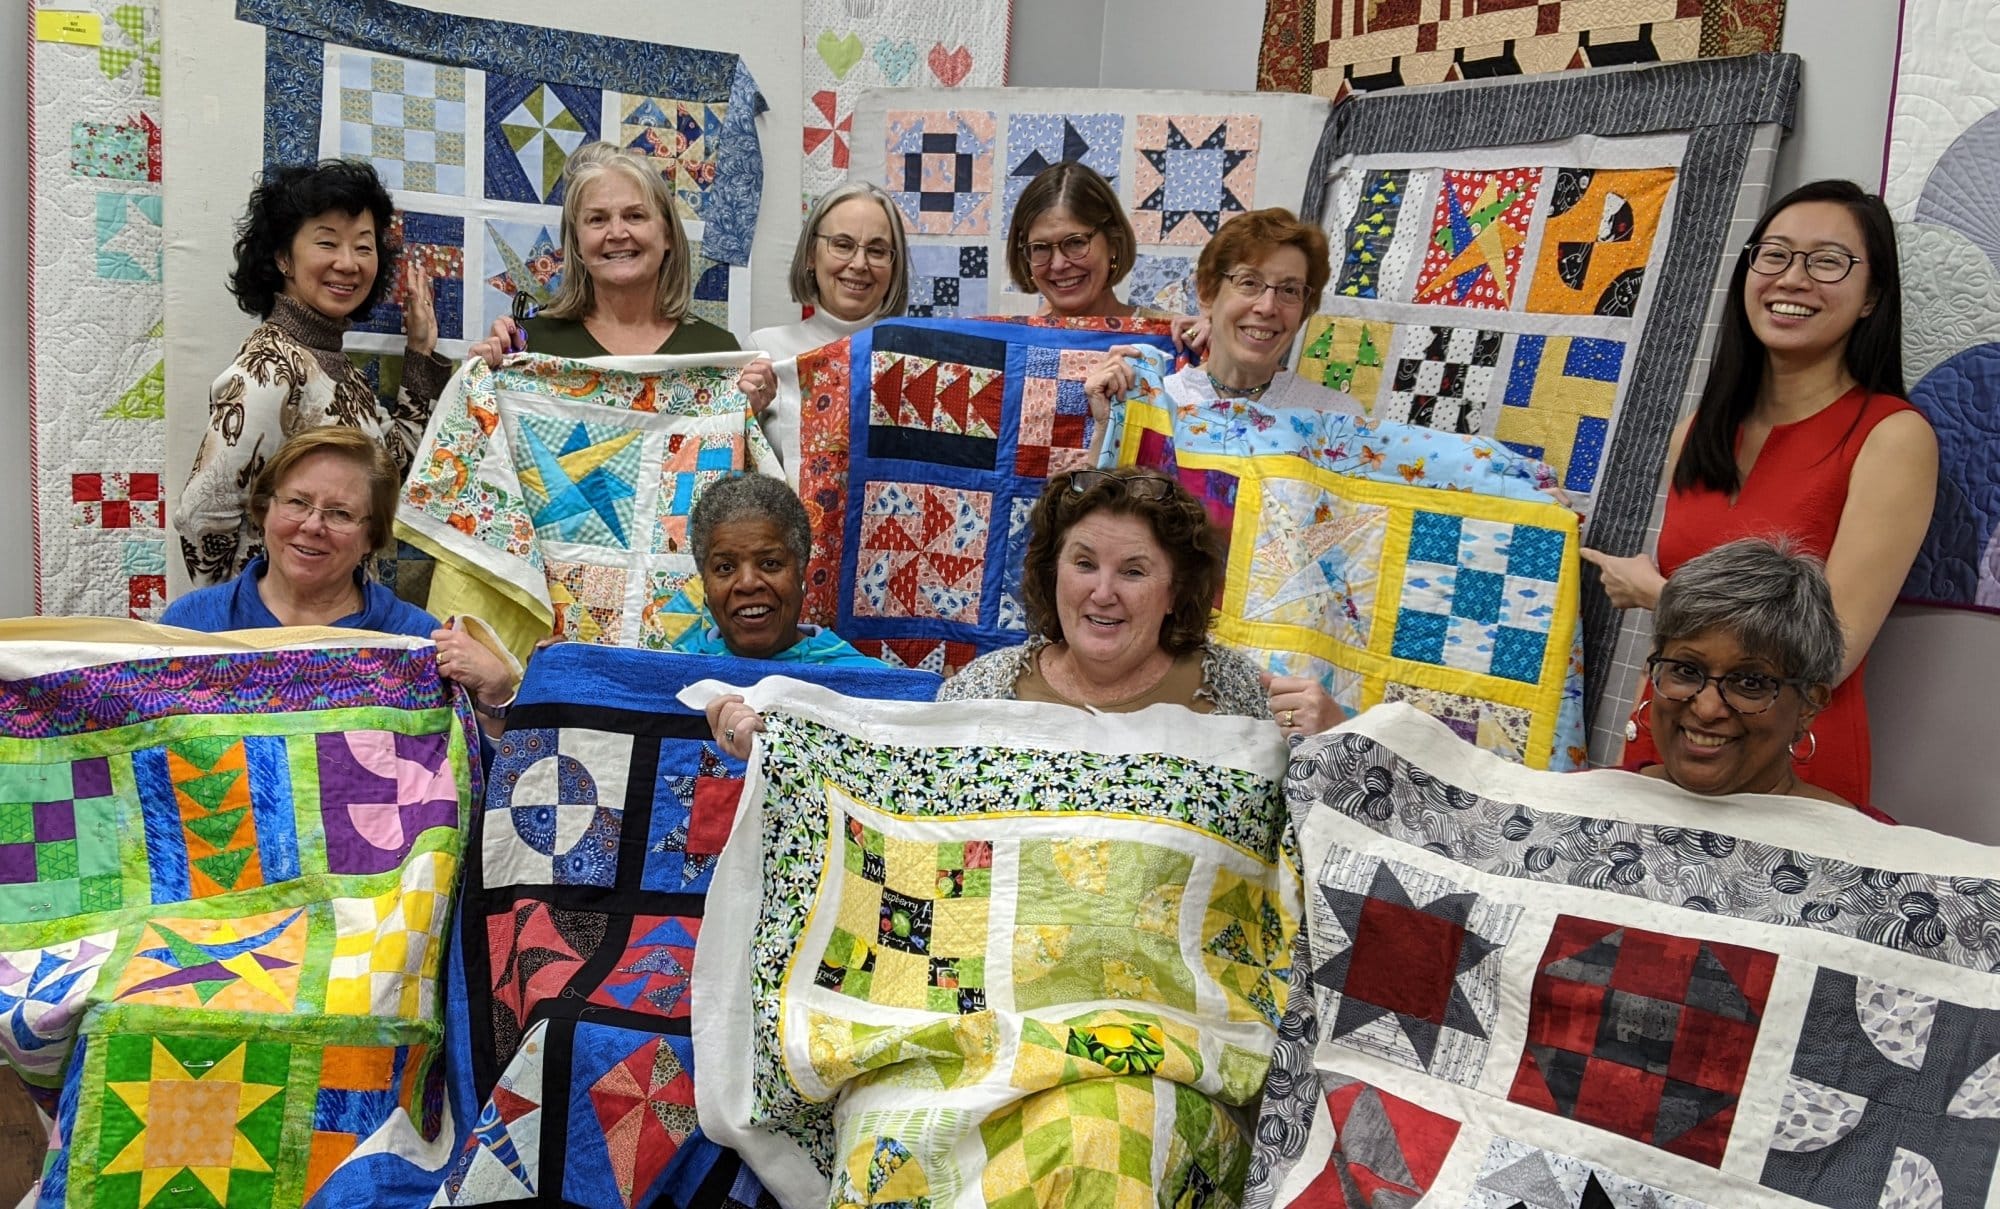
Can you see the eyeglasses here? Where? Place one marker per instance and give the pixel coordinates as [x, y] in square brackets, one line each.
[1251, 287]
[1072, 247]
[337, 520]
[1744, 692]
[1824, 265]
[1137, 486]
[845, 247]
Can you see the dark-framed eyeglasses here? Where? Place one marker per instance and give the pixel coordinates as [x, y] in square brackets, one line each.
[296, 511]
[1824, 265]
[1250, 287]
[1137, 486]
[846, 248]
[1744, 692]
[1073, 248]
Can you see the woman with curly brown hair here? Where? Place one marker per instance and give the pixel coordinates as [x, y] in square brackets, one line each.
[312, 256]
[1121, 570]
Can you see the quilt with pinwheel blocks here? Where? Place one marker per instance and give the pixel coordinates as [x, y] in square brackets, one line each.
[226, 875]
[1000, 971]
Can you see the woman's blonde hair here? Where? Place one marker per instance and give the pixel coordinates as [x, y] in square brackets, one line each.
[576, 297]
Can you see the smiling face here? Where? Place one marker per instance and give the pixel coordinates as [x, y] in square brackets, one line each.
[1114, 589]
[1072, 287]
[1795, 317]
[1249, 337]
[755, 587]
[332, 263]
[851, 289]
[622, 239]
[1708, 747]
[307, 555]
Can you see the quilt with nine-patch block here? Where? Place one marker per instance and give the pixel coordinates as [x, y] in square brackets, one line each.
[1599, 990]
[226, 873]
[1015, 972]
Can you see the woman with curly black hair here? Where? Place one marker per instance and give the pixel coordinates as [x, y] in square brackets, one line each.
[312, 256]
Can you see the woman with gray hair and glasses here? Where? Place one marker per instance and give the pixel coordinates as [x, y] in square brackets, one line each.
[1746, 647]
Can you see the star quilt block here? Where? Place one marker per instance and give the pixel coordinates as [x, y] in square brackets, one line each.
[520, 258]
[947, 280]
[1517, 1174]
[680, 138]
[1643, 1034]
[1598, 240]
[1561, 391]
[199, 1115]
[650, 974]
[1038, 141]
[407, 118]
[532, 128]
[533, 951]
[580, 478]
[1190, 172]
[437, 242]
[1479, 232]
[1442, 377]
[940, 170]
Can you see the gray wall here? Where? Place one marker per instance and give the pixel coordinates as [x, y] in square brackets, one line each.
[1929, 675]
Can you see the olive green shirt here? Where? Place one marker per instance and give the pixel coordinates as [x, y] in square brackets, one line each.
[570, 338]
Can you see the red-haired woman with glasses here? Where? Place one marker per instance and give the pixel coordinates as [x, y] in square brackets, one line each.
[1803, 432]
[1120, 572]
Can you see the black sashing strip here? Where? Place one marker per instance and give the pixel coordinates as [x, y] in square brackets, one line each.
[559, 1054]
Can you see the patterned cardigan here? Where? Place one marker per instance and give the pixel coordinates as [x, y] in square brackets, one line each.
[1227, 679]
[291, 375]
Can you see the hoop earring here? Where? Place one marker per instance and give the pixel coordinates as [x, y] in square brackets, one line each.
[1812, 748]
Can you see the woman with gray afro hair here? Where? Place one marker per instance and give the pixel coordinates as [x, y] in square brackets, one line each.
[752, 541]
[1746, 646]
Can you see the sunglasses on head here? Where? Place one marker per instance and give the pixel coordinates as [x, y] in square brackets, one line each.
[1138, 487]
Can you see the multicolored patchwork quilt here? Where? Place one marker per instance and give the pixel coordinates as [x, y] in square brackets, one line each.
[585, 891]
[1575, 992]
[555, 494]
[925, 443]
[957, 159]
[1391, 562]
[225, 880]
[1043, 969]
[96, 306]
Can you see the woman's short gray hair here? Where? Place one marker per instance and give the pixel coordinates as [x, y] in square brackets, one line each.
[746, 497]
[1771, 597]
[805, 286]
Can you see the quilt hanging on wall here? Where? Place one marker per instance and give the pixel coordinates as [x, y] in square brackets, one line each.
[555, 494]
[1597, 990]
[96, 377]
[586, 881]
[850, 47]
[1041, 973]
[1389, 561]
[470, 123]
[225, 885]
[925, 443]
[1943, 159]
[1181, 162]
[1533, 260]
[1333, 47]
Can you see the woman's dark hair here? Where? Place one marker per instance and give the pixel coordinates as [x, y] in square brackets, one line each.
[1874, 348]
[284, 199]
[1076, 187]
[1179, 523]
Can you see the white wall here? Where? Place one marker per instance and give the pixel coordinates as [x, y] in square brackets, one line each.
[1931, 705]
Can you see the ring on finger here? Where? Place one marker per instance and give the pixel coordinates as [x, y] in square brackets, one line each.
[1291, 719]
[729, 736]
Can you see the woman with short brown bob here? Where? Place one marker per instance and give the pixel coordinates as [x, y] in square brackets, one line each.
[1120, 573]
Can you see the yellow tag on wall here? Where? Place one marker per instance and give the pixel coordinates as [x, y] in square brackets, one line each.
[83, 29]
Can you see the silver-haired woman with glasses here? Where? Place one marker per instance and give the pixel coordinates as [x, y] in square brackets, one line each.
[1121, 570]
[1746, 645]
[1803, 431]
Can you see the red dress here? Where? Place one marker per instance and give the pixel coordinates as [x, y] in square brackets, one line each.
[1797, 487]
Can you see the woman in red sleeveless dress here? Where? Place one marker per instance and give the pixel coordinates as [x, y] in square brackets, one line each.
[1803, 431]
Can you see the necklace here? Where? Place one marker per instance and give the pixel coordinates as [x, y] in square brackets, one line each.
[1247, 392]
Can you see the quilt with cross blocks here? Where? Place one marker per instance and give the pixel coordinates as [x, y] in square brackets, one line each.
[587, 880]
[226, 874]
[1031, 971]
[1591, 991]
[555, 494]
[925, 443]
[1389, 561]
